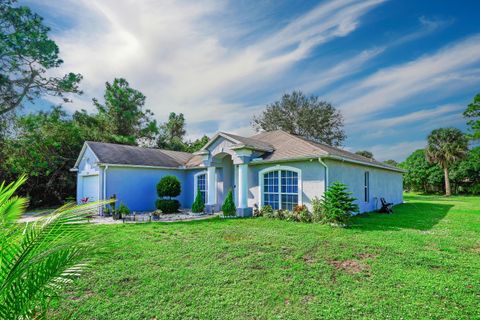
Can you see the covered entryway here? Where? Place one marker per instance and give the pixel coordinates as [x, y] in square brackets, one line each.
[90, 187]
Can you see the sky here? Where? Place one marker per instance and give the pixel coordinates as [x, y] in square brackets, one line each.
[395, 69]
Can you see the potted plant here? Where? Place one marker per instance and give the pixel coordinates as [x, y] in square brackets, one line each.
[156, 215]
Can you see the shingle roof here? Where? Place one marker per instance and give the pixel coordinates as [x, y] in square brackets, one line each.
[111, 153]
[288, 146]
[280, 145]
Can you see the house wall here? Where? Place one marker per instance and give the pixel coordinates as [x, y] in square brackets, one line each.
[136, 187]
[383, 183]
[189, 189]
[86, 166]
[313, 177]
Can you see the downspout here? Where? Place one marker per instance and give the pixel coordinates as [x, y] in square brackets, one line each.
[104, 184]
[326, 172]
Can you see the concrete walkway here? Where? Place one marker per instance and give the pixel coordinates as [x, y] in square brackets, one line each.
[139, 218]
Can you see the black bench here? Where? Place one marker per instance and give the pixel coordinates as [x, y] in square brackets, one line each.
[386, 206]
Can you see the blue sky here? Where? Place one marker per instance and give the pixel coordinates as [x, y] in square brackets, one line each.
[396, 69]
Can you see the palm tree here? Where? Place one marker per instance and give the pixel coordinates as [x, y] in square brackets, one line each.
[445, 147]
[37, 259]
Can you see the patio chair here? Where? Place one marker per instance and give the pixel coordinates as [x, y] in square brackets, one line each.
[386, 206]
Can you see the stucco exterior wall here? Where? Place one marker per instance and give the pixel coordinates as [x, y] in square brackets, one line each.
[136, 187]
[188, 188]
[312, 175]
[86, 166]
[383, 183]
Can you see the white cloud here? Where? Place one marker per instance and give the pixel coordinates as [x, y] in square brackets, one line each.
[399, 151]
[173, 52]
[424, 115]
[449, 69]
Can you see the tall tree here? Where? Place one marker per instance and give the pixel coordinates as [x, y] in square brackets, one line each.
[466, 174]
[365, 153]
[304, 116]
[26, 53]
[172, 133]
[473, 117]
[446, 146]
[123, 116]
[421, 175]
[44, 146]
[195, 145]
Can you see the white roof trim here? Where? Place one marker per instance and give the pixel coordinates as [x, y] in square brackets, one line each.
[364, 163]
[139, 166]
[80, 156]
[220, 134]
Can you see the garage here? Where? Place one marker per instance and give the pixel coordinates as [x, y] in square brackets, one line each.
[90, 187]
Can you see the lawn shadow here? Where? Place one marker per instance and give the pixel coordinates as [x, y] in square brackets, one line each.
[415, 215]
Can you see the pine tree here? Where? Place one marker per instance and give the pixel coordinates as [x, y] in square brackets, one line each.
[198, 205]
[228, 206]
[338, 204]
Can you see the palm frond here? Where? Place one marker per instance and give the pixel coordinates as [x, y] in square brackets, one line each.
[37, 259]
[11, 207]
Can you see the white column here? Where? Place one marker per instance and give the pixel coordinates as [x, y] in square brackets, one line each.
[243, 185]
[212, 188]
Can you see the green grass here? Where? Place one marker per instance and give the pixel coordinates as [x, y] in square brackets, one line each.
[421, 262]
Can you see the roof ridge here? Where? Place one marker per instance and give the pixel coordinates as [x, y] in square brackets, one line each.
[131, 146]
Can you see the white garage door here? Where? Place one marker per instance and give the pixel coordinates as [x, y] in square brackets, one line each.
[90, 188]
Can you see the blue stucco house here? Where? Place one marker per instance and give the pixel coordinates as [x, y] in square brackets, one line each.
[274, 168]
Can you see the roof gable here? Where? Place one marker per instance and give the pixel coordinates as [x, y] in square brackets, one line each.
[239, 142]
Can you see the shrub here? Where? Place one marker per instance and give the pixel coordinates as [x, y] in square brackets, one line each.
[299, 207]
[337, 204]
[304, 215]
[168, 205]
[317, 211]
[123, 210]
[282, 214]
[266, 211]
[198, 205]
[169, 186]
[228, 207]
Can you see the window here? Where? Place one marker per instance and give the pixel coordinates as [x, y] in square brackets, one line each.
[280, 189]
[202, 186]
[367, 186]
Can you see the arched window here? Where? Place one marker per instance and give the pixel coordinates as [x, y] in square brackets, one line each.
[280, 187]
[201, 185]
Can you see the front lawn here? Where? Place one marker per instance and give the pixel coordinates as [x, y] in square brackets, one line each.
[421, 262]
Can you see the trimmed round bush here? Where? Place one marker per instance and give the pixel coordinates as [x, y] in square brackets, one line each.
[168, 205]
[169, 186]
